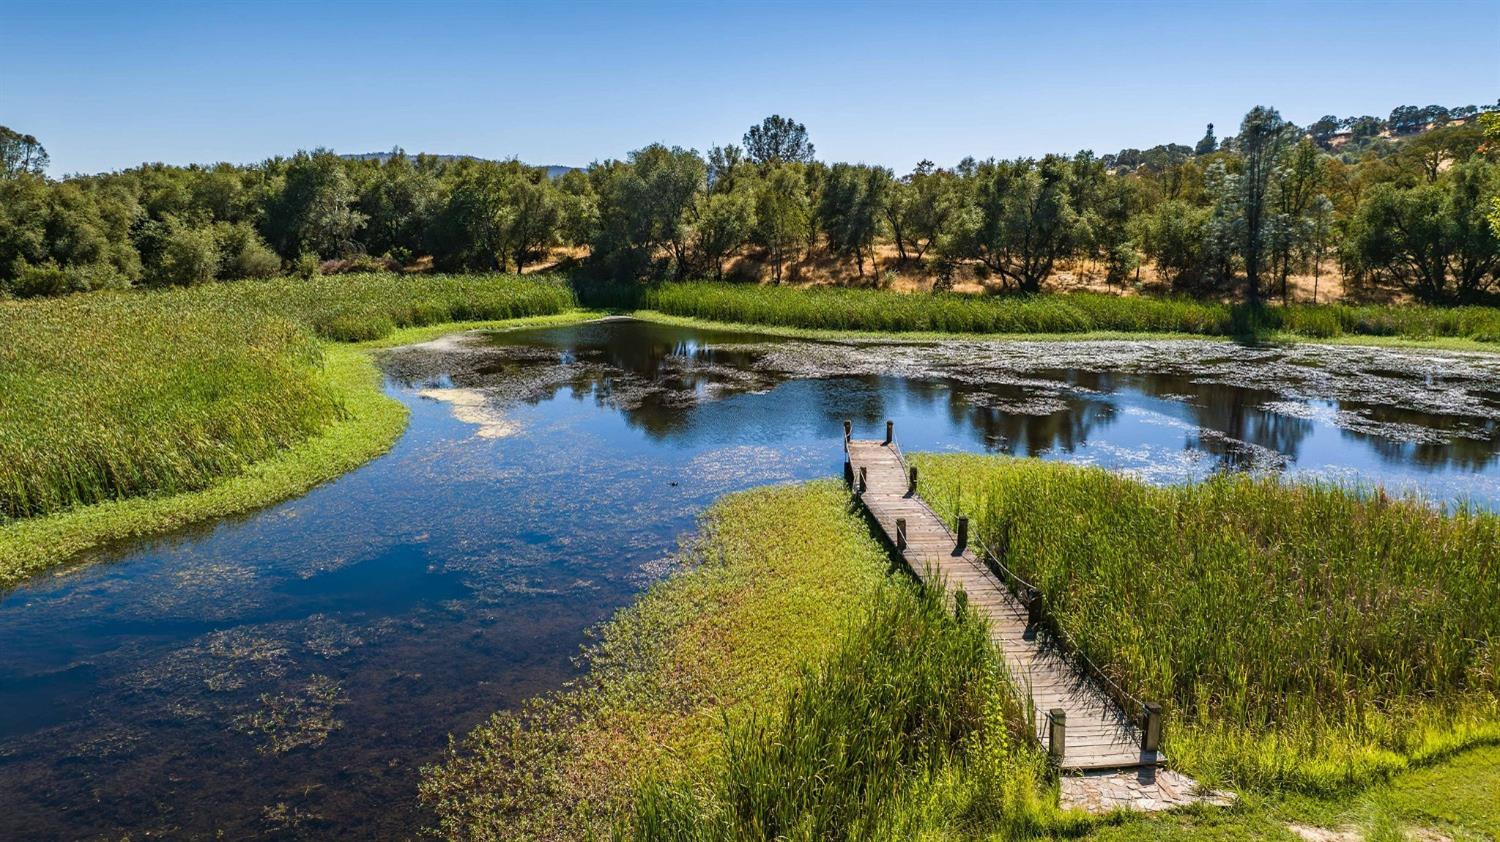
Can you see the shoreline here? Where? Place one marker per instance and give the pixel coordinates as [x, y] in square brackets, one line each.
[61, 541]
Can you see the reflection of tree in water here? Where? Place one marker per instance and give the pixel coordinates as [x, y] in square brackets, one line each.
[1025, 433]
[665, 381]
[1460, 442]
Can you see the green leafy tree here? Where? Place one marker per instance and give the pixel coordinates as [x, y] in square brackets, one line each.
[1025, 219]
[21, 154]
[1209, 144]
[778, 140]
[783, 215]
[722, 223]
[189, 255]
[1433, 239]
[1295, 186]
[242, 252]
[314, 209]
[852, 208]
[922, 208]
[1174, 235]
[1262, 140]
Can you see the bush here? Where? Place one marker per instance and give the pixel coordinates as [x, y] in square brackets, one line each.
[50, 279]
[243, 254]
[307, 266]
[189, 255]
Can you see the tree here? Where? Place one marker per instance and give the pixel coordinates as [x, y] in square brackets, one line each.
[1405, 119]
[1263, 138]
[398, 198]
[778, 140]
[723, 221]
[532, 216]
[1208, 145]
[21, 154]
[726, 166]
[1173, 235]
[782, 214]
[1323, 129]
[314, 211]
[852, 208]
[189, 255]
[1295, 185]
[921, 209]
[1433, 239]
[1026, 221]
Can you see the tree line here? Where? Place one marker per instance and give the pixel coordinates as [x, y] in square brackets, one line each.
[1247, 212]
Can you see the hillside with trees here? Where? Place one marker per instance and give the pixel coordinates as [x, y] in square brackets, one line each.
[1401, 206]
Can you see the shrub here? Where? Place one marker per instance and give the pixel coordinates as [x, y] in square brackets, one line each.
[307, 266]
[189, 255]
[243, 254]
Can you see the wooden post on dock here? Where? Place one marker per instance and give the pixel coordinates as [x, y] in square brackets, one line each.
[911, 484]
[963, 533]
[1033, 599]
[900, 533]
[848, 474]
[890, 431]
[848, 430]
[1151, 730]
[864, 479]
[1057, 733]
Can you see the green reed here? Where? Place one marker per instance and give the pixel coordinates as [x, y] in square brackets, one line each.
[1306, 635]
[112, 395]
[860, 740]
[826, 308]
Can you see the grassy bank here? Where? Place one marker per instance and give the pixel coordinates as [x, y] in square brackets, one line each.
[126, 413]
[782, 685]
[832, 309]
[727, 689]
[1301, 638]
[369, 424]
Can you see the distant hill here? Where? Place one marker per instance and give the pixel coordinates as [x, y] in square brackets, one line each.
[553, 170]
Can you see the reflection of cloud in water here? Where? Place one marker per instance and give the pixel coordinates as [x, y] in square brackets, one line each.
[471, 406]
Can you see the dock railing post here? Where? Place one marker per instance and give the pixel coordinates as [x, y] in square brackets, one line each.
[1033, 599]
[911, 484]
[864, 479]
[848, 474]
[900, 533]
[1151, 728]
[1057, 733]
[963, 533]
[848, 431]
[890, 431]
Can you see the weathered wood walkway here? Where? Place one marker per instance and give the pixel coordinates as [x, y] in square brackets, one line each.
[1082, 726]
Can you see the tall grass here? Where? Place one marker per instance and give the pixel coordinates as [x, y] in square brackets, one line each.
[858, 747]
[1310, 636]
[871, 310]
[114, 395]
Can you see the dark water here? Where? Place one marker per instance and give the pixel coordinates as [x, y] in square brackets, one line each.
[286, 674]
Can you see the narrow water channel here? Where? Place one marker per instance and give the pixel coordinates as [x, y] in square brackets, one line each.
[287, 673]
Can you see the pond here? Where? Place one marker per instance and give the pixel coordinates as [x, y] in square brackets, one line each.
[288, 673]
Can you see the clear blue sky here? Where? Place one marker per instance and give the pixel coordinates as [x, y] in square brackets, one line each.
[111, 85]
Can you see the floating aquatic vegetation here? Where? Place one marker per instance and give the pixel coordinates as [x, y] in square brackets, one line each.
[303, 719]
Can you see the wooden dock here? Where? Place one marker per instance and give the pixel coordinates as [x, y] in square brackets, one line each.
[1083, 727]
